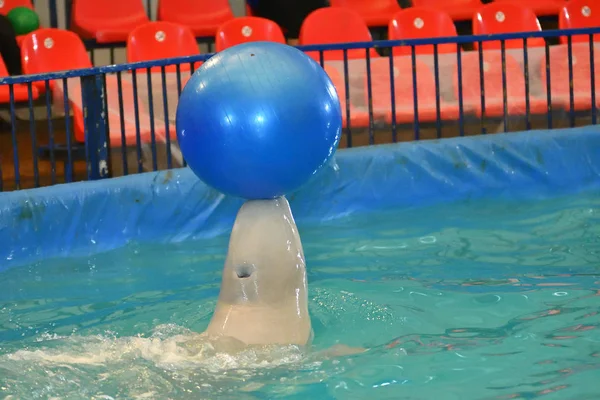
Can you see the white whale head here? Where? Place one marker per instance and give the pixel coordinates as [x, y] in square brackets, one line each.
[263, 297]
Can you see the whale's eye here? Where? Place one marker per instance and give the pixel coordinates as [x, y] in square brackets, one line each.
[244, 271]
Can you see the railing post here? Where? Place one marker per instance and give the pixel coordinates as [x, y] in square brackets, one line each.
[95, 117]
[53, 13]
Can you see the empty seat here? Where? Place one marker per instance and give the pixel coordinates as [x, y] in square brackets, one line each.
[541, 7]
[51, 50]
[493, 85]
[579, 14]
[404, 95]
[458, 10]
[374, 12]
[247, 29]
[582, 81]
[160, 39]
[332, 25]
[359, 118]
[107, 21]
[20, 91]
[131, 124]
[420, 23]
[7, 5]
[506, 17]
[203, 17]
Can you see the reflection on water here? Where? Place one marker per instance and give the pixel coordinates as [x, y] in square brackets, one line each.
[470, 301]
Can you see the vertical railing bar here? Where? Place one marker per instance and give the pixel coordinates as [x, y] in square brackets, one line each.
[179, 88]
[482, 86]
[347, 94]
[413, 59]
[571, 94]
[178, 73]
[32, 130]
[136, 111]
[527, 89]
[393, 96]
[438, 106]
[548, 85]
[593, 79]
[50, 132]
[122, 121]
[504, 86]
[151, 117]
[166, 116]
[370, 97]
[461, 116]
[15, 145]
[107, 122]
[66, 104]
[321, 59]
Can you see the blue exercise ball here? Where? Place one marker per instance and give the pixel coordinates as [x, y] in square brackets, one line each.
[258, 120]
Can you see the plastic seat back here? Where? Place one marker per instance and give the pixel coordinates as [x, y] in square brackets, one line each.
[7, 5]
[506, 17]
[107, 13]
[332, 25]
[579, 14]
[374, 12]
[160, 39]
[203, 16]
[53, 49]
[247, 29]
[458, 10]
[419, 23]
[169, 10]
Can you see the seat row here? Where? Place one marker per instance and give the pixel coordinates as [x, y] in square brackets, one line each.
[457, 89]
[111, 21]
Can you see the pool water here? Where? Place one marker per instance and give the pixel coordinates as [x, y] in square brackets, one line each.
[473, 300]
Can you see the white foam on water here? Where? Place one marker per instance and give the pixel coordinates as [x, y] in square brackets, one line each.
[169, 347]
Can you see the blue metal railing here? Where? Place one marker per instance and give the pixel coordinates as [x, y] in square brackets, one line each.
[113, 113]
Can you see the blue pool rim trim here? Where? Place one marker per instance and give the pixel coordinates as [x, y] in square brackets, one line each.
[166, 206]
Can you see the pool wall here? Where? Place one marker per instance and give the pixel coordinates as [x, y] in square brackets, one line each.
[88, 217]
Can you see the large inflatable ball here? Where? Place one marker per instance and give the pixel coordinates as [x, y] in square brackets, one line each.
[258, 120]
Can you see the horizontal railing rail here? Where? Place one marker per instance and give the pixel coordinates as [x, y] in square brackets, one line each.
[115, 120]
[377, 44]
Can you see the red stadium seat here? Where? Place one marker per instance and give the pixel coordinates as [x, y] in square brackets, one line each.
[419, 23]
[20, 91]
[374, 12]
[159, 39]
[506, 17]
[358, 118]
[331, 25]
[458, 10]
[540, 7]
[404, 93]
[107, 21]
[7, 5]
[582, 82]
[579, 14]
[247, 29]
[51, 50]
[493, 86]
[203, 17]
[130, 125]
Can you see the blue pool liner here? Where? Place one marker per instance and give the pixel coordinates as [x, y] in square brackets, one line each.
[88, 217]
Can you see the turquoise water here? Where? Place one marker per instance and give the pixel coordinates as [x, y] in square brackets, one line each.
[479, 300]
